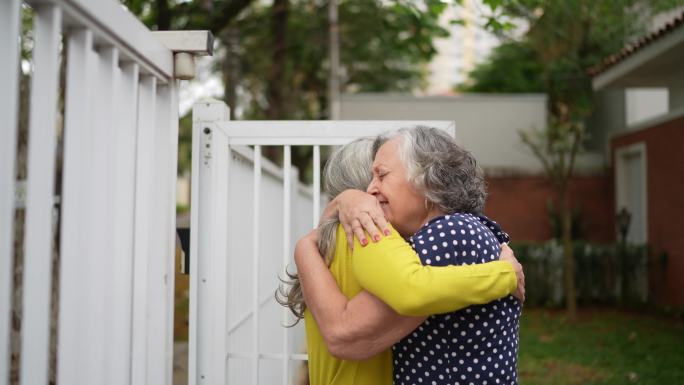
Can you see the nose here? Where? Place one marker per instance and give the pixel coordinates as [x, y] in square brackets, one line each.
[373, 187]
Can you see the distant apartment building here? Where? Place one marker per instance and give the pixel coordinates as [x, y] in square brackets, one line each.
[469, 43]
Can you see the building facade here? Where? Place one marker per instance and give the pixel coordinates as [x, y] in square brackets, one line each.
[646, 162]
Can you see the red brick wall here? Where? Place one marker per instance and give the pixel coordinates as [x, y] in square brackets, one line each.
[665, 200]
[519, 204]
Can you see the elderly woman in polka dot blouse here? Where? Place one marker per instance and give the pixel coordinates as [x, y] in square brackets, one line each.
[433, 193]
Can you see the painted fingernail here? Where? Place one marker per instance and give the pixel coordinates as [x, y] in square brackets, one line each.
[376, 238]
[387, 232]
[364, 241]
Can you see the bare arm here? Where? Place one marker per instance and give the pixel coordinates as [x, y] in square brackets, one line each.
[352, 330]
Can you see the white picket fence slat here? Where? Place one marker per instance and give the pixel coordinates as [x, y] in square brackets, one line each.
[37, 276]
[9, 92]
[124, 186]
[74, 271]
[143, 201]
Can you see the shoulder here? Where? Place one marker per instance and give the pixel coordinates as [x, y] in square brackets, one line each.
[495, 228]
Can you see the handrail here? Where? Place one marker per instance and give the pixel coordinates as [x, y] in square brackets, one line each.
[113, 25]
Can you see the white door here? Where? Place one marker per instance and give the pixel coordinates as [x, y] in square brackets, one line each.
[631, 189]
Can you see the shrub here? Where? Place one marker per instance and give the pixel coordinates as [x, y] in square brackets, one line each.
[605, 274]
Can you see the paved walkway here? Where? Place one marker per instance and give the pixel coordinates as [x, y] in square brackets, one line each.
[180, 363]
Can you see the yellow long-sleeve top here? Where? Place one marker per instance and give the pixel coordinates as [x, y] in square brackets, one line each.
[391, 270]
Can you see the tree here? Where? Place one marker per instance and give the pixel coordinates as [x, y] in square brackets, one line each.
[274, 60]
[565, 37]
[513, 67]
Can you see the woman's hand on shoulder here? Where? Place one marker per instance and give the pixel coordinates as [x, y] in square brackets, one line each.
[360, 213]
[508, 255]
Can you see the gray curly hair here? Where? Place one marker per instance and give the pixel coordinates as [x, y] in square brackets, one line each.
[438, 167]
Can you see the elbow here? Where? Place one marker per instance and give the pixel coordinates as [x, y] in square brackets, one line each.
[349, 352]
[338, 340]
[342, 352]
[342, 344]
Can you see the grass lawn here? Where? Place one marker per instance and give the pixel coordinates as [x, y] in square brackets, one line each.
[601, 347]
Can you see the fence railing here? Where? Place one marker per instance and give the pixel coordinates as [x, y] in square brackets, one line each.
[114, 237]
[246, 217]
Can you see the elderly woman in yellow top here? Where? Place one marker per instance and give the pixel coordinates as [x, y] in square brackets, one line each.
[403, 291]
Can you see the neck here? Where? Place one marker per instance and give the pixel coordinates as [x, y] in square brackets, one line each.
[415, 226]
[433, 213]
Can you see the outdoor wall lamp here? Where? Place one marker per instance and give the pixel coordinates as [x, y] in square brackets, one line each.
[624, 218]
[185, 46]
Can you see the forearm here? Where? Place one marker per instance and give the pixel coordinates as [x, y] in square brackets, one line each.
[353, 329]
[378, 327]
[392, 271]
[323, 298]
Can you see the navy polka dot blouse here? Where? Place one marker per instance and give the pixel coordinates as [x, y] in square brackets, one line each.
[475, 345]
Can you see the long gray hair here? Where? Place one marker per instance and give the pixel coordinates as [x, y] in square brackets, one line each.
[439, 168]
[349, 167]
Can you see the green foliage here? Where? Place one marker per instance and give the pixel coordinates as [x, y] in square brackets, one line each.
[565, 37]
[213, 15]
[185, 144]
[512, 67]
[606, 274]
[383, 47]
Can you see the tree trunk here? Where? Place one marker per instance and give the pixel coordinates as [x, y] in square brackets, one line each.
[163, 15]
[279, 16]
[231, 67]
[334, 49]
[274, 88]
[568, 258]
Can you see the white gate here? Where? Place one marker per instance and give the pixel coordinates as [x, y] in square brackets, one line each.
[117, 234]
[246, 217]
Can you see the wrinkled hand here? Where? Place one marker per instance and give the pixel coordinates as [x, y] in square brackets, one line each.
[359, 211]
[508, 255]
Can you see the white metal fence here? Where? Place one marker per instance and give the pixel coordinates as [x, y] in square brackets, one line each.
[246, 217]
[117, 231]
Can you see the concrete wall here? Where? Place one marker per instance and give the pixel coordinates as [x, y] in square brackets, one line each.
[645, 103]
[487, 125]
[665, 204]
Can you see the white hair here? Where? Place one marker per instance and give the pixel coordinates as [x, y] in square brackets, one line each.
[438, 167]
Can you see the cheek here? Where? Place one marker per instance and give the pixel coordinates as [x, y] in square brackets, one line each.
[410, 203]
[415, 206]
